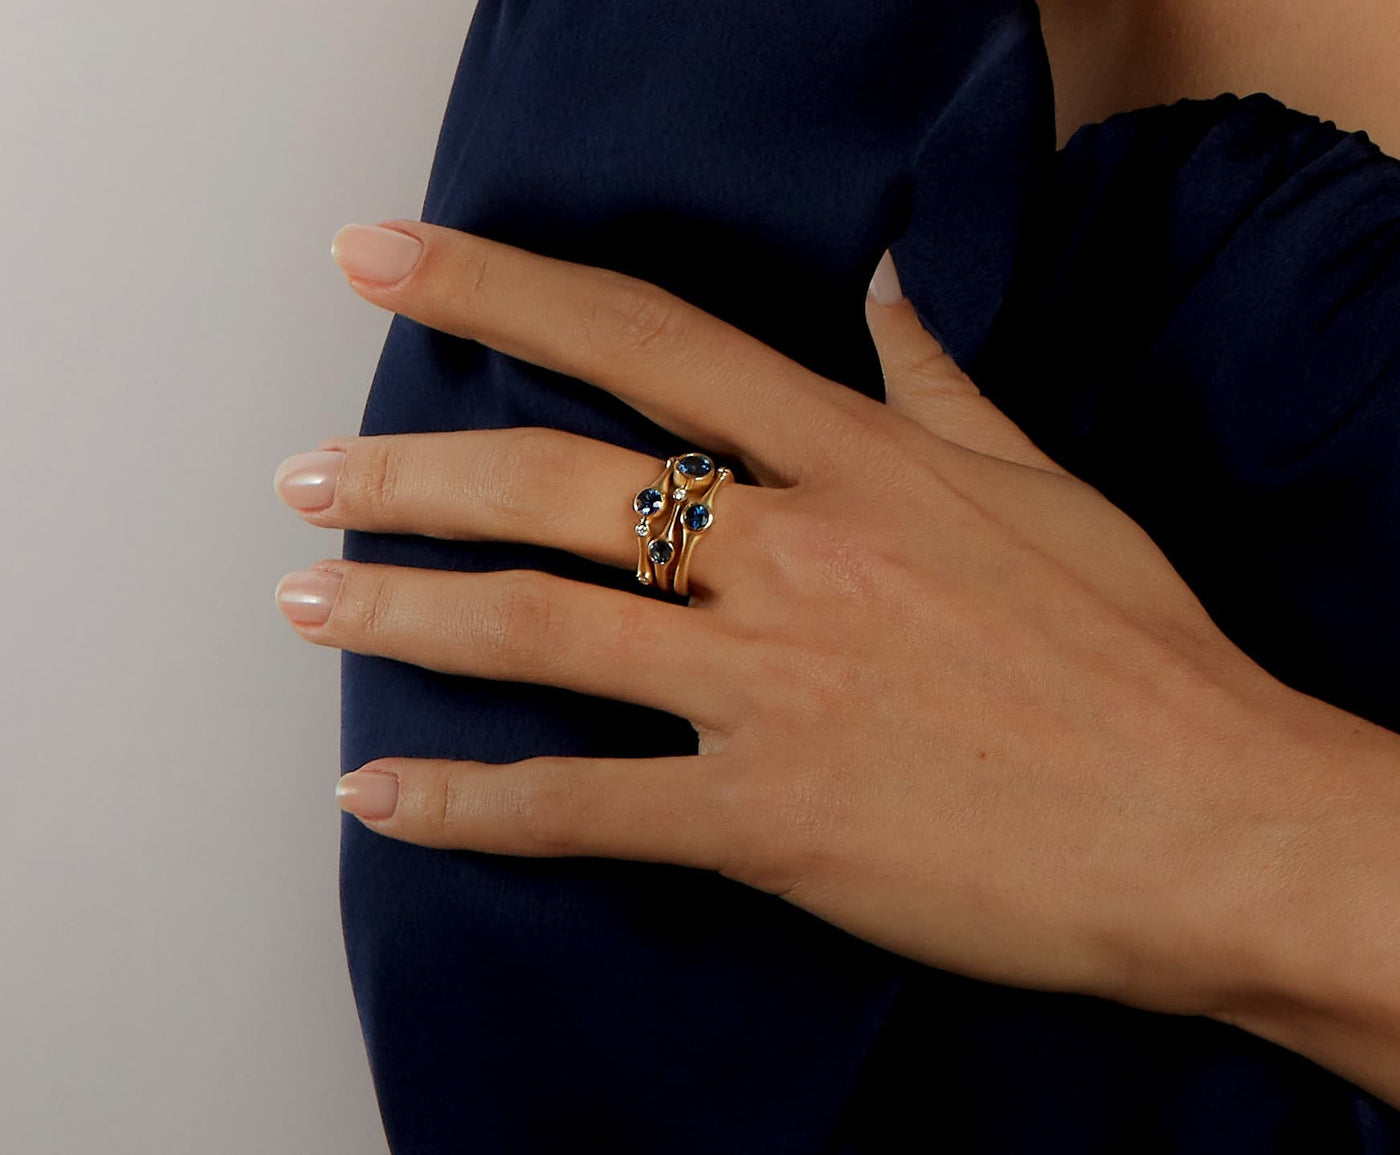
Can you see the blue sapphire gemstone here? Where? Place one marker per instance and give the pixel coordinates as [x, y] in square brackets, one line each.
[660, 551]
[694, 465]
[696, 516]
[647, 502]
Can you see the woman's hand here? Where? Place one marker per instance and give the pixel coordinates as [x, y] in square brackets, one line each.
[948, 697]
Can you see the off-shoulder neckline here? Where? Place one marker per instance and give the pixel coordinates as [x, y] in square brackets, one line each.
[1249, 100]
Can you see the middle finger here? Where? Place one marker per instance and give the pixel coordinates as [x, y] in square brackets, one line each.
[688, 370]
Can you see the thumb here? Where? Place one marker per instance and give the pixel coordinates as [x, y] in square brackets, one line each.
[924, 383]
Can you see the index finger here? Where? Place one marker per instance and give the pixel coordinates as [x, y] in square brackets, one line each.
[687, 370]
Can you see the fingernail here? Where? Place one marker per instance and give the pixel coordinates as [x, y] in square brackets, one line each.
[306, 481]
[371, 794]
[371, 253]
[884, 285]
[307, 595]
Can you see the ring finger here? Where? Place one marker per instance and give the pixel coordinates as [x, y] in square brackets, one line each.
[528, 484]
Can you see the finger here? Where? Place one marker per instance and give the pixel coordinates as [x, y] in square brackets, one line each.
[519, 625]
[655, 809]
[530, 484]
[926, 385]
[685, 369]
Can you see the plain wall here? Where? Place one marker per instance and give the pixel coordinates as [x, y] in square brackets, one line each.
[172, 973]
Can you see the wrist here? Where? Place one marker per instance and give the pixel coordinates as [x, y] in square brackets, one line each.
[1316, 923]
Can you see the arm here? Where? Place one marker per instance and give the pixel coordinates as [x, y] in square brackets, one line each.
[1337, 60]
[1326, 982]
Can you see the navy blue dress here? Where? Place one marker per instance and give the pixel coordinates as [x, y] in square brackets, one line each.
[1192, 307]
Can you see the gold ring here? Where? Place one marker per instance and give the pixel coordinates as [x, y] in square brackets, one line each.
[676, 509]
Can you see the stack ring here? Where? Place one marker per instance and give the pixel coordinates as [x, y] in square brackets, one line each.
[675, 510]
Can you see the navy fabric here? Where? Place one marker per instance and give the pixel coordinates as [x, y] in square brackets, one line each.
[1191, 308]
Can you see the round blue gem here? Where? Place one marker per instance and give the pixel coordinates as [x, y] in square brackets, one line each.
[660, 551]
[647, 502]
[696, 516]
[694, 465]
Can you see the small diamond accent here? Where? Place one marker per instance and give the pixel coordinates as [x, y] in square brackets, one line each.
[642, 528]
[678, 493]
[644, 578]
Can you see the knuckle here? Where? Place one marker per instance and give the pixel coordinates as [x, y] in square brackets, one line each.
[631, 320]
[522, 478]
[829, 683]
[367, 602]
[640, 636]
[519, 621]
[779, 540]
[436, 806]
[451, 804]
[936, 369]
[463, 277]
[808, 550]
[750, 509]
[377, 479]
[805, 686]
[549, 806]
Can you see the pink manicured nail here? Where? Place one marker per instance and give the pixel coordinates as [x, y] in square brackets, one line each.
[371, 253]
[307, 595]
[884, 285]
[370, 794]
[306, 481]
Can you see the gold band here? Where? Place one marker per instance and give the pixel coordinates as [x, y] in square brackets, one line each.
[676, 510]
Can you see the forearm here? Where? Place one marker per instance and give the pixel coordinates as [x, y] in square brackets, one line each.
[1328, 928]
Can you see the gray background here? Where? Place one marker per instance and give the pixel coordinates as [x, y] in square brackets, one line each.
[172, 974]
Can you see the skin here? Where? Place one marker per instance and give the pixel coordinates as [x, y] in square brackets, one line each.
[1012, 745]
[1337, 59]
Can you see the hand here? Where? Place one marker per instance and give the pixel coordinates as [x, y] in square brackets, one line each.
[947, 696]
